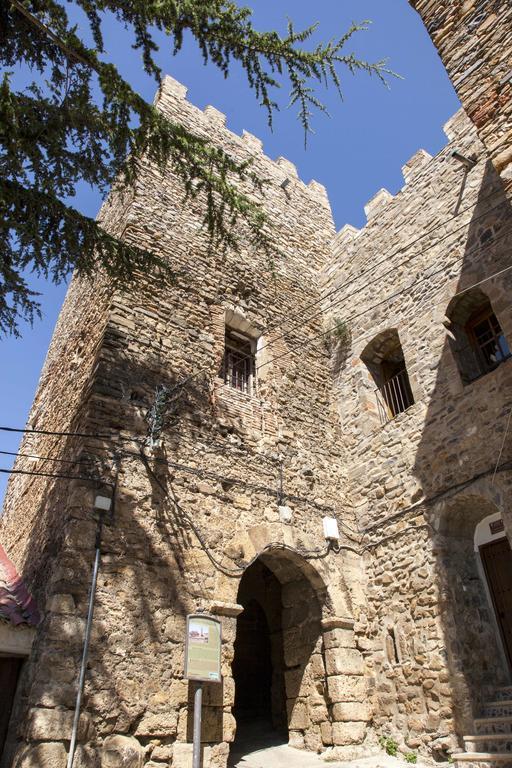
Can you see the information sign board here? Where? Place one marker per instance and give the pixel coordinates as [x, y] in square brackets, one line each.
[202, 648]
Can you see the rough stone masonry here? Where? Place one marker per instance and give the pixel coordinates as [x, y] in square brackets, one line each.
[391, 633]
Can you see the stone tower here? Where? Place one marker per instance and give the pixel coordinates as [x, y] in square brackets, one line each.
[224, 514]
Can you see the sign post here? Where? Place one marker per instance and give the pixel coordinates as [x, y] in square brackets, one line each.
[202, 664]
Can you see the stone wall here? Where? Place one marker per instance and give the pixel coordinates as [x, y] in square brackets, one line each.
[474, 40]
[193, 513]
[421, 481]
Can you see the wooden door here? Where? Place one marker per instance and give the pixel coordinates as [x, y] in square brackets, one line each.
[9, 672]
[497, 561]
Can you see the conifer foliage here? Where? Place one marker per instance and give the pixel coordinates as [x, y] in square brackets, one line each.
[57, 132]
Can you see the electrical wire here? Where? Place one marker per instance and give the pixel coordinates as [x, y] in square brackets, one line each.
[373, 268]
[402, 249]
[50, 474]
[406, 289]
[370, 269]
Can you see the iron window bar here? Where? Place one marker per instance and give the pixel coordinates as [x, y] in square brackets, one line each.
[238, 364]
[394, 396]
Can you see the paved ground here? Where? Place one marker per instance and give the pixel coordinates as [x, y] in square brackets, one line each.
[249, 752]
[282, 756]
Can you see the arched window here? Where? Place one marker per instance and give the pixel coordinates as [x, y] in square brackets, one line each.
[384, 358]
[476, 338]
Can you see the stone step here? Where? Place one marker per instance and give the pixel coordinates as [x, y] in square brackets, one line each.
[493, 724]
[485, 742]
[504, 692]
[498, 708]
[482, 759]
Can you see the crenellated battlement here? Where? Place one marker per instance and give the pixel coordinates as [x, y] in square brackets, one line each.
[456, 129]
[283, 170]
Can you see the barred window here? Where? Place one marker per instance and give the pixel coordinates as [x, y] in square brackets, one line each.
[238, 366]
[476, 337]
[384, 358]
[488, 340]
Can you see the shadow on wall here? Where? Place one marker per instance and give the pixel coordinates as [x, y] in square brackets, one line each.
[153, 572]
[463, 431]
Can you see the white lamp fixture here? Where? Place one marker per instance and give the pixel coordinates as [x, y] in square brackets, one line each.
[102, 503]
[331, 532]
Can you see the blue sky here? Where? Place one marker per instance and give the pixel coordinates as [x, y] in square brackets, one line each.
[355, 152]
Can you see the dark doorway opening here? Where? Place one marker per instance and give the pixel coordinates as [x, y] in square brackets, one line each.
[258, 665]
[10, 667]
[497, 561]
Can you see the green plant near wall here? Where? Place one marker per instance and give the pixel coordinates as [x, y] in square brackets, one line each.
[411, 757]
[389, 745]
[337, 339]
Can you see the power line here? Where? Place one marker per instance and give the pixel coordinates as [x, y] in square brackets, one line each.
[385, 300]
[50, 474]
[373, 267]
[479, 249]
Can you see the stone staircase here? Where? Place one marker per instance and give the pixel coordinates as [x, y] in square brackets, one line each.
[491, 743]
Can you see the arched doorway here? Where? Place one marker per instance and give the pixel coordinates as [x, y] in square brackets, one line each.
[278, 664]
[474, 648]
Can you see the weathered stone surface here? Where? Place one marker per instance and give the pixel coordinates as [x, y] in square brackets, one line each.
[46, 755]
[348, 733]
[346, 661]
[121, 752]
[350, 711]
[54, 724]
[346, 688]
[397, 635]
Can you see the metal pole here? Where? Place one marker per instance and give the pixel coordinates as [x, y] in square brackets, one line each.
[83, 665]
[198, 703]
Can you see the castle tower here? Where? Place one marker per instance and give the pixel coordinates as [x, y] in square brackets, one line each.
[220, 511]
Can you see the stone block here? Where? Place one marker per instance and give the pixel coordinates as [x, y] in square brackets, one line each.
[344, 661]
[182, 756]
[162, 724]
[162, 752]
[346, 688]
[55, 724]
[350, 711]
[61, 604]
[42, 756]
[298, 718]
[344, 734]
[296, 739]
[339, 638]
[326, 733]
[121, 752]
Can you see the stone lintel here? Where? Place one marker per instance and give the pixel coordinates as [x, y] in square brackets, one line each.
[17, 640]
[337, 622]
[231, 610]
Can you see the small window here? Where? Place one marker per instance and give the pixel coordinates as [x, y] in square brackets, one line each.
[384, 359]
[488, 340]
[238, 365]
[477, 340]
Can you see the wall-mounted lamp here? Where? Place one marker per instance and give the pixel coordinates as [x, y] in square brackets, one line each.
[102, 503]
[331, 532]
[467, 162]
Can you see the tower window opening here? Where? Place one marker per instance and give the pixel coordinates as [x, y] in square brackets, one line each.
[239, 363]
[384, 359]
[476, 337]
[488, 340]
